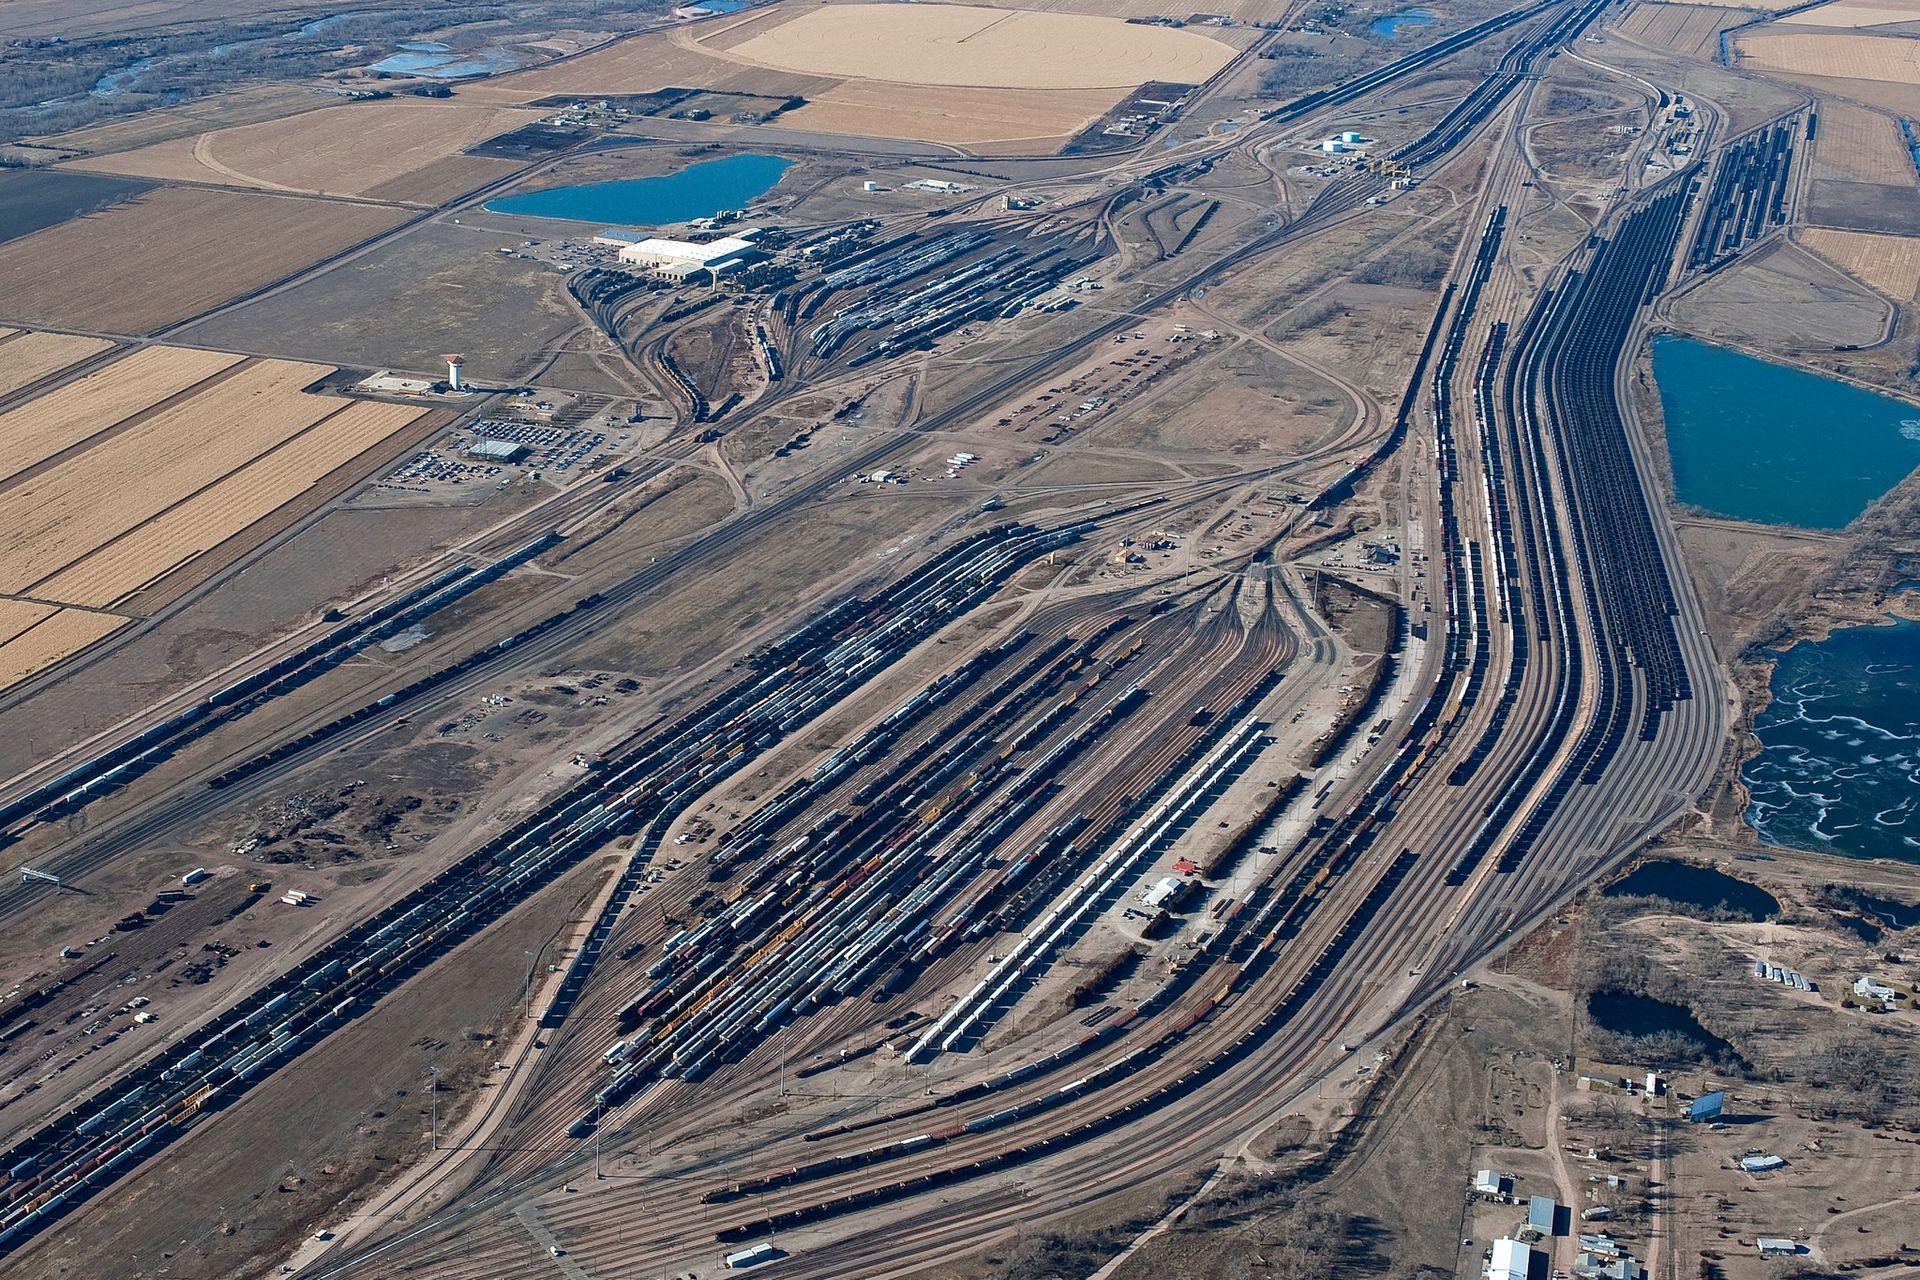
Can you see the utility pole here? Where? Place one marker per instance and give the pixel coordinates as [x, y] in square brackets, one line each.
[433, 1091]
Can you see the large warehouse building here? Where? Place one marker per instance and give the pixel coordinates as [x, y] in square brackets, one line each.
[681, 260]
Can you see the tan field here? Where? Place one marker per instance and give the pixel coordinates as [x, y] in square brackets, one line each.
[194, 250]
[1854, 144]
[17, 615]
[1846, 57]
[1856, 13]
[971, 46]
[221, 110]
[29, 357]
[348, 150]
[962, 117]
[210, 517]
[1691, 29]
[642, 64]
[1890, 264]
[67, 631]
[1241, 10]
[53, 518]
[65, 416]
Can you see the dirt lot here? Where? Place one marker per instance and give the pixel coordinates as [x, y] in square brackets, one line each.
[439, 288]
[34, 199]
[1245, 405]
[967, 46]
[393, 147]
[1890, 264]
[29, 357]
[354, 1110]
[1858, 145]
[196, 249]
[1782, 302]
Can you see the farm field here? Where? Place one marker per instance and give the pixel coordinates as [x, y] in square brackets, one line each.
[1883, 71]
[1691, 29]
[64, 417]
[354, 149]
[60, 633]
[1890, 264]
[229, 507]
[959, 116]
[641, 64]
[34, 199]
[29, 357]
[1858, 145]
[1856, 13]
[17, 615]
[246, 105]
[971, 46]
[197, 249]
[157, 486]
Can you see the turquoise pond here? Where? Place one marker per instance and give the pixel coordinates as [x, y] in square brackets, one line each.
[1839, 764]
[1390, 24]
[697, 191]
[1753, 440]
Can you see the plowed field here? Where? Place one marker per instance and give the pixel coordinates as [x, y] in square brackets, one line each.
[29, 357]
[172, 253]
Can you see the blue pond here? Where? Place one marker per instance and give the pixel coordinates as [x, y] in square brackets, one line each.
[1390, 24]
[1753, 440]
[697, 191]
[1839, 766]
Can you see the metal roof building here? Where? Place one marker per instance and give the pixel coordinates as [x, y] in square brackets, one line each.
[1541, 1211]
[1511, 1260]
[1707, 1106]
[496, 451]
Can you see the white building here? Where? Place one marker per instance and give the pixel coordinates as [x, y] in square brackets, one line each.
[1511, 1260]
[679, 260]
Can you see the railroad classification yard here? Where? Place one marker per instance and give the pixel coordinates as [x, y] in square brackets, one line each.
[909, 717]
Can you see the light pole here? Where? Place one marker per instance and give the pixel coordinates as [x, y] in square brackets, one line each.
[433, 1113]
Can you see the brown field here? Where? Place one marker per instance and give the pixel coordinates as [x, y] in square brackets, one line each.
[52, 518]
[961, 117]
[1857, 145]
[641, 64]
[65, 416]
[1690, 29]
[17, 615]
[444, 179]
[215, 514]
[29, 357]
[1856, 13]
[347, 150]
[1890, 264]
[1881, 70]
[66, 631]
[971, 46]
[247, 105]
[194, 249]
[1241, 10]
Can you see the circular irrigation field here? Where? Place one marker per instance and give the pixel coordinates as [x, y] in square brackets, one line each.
[970, 46]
